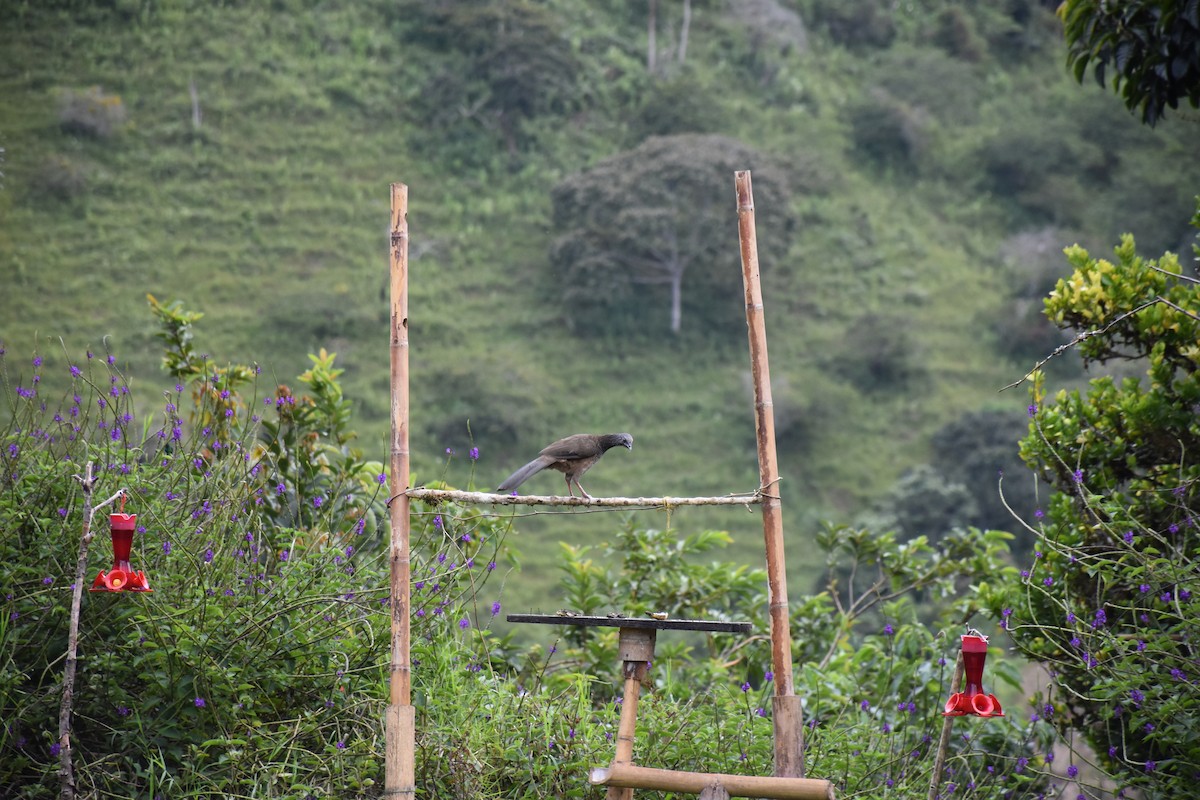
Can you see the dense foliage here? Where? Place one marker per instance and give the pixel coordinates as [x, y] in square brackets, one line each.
[257, 666]
[1106, 601]
[1151, 46]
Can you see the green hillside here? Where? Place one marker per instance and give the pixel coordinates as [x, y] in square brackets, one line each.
[237, 156]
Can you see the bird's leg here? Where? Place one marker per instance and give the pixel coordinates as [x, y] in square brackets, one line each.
[570, 490]
[582, 491]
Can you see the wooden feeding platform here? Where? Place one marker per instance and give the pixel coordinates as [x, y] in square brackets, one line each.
[635, 645]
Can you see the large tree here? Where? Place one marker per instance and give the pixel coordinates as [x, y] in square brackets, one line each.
[1152, 46]
[637, 227]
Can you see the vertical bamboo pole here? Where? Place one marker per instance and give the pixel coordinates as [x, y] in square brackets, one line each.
[637, 653]
[788, 716]
[400, 724]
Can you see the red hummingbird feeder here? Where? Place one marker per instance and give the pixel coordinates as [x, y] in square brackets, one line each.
[122, 577]
[972, 700]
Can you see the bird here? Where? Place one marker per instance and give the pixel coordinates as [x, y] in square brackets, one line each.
[572, 455]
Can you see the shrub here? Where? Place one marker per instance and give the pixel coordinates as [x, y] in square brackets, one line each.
[59, 178]
[1107, 603]
[90, 112]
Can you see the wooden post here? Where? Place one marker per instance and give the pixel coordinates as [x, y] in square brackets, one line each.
[66, 768]
[400, 721]
[637, 651]
[787, 714]
[944, 742]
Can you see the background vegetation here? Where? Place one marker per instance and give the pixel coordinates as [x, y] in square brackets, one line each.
[932, 159]
[236, 156]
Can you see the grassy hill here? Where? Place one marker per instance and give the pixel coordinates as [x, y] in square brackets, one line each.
[237, 156]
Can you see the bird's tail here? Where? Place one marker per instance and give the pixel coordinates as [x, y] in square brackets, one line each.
[520, 476]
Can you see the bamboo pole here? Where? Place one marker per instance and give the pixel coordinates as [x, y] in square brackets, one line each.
[669, 780]
[637, 652]
[400, 719]
[486, 498]
[787, 714]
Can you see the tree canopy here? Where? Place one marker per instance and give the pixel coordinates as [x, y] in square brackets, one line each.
[1153, 46]
[639, 226]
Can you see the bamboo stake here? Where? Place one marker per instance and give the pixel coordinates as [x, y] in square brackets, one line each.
[637, 648]
[400, 720]
[486, 498]
[670, 780]
[944, 741]
[787, 714]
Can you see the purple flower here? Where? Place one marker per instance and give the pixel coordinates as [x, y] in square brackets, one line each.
[382, 478]
[1101, 618]
[55, 749]
[341, 745]
[1032, 410]
[746, 686]
[317, 502]
[75, 371]
[768, 676]
[464, 623]
[888, 629]
[1128, 537]
[495, 608]
[200, 702]
[48, 580]
[864, 705]
[167, 548]
[1078, 476]
[474, 453]
[1072, 771]
[437, 523]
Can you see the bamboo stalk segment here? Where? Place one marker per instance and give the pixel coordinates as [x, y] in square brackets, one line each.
[637, 651]
[669, 780]
[400, 730]
[788, 715]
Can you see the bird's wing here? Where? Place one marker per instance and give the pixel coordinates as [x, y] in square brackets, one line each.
[525, 473]
[574, 448]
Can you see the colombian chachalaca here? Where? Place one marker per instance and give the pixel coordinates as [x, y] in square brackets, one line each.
[572, 456]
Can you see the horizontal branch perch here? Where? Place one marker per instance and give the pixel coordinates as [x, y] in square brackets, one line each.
[486, 498]
[629, 776]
